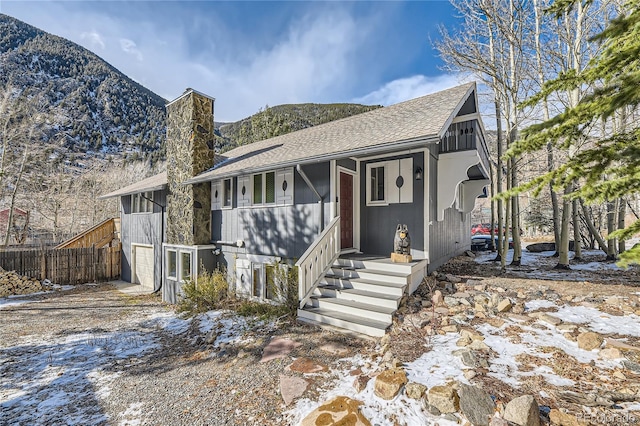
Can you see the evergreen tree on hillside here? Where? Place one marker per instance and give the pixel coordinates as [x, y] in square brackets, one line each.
[610, 167]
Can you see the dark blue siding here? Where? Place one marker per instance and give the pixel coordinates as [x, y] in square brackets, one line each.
[378, 223]
[142, 228]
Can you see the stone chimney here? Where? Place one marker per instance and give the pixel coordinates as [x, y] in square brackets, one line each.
[189, 148]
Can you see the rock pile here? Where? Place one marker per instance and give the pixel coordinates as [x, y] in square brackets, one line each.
[11, 284]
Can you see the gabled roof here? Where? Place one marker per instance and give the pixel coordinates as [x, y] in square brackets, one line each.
[152, 183]
[417, 121]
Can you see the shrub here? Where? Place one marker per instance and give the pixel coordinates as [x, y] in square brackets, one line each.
[208, 292]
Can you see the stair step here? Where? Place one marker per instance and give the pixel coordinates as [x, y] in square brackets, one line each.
[350, 322]
[366, 310]
[380, 264]
[362, 296]
[384, 276]
[374, 286]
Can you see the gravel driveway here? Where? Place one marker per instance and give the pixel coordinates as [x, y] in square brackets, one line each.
[94, 355]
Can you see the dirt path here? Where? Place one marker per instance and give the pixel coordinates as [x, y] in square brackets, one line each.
[96, 356]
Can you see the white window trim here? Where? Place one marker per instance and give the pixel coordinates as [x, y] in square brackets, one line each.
[391, 167]
[264, 189]
[172, 277]
[370, 166]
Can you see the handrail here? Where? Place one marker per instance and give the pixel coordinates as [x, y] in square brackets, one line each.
[317, 259]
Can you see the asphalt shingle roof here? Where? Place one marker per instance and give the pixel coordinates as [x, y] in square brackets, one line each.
[422, 118]
[152, 183]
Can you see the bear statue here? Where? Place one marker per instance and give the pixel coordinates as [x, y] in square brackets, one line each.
[402, 240]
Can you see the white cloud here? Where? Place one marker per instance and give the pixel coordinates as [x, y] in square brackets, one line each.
[130, 47]
[94, 38]
[409, 88]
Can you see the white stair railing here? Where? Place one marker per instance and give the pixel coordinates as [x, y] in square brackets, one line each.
[316, 261]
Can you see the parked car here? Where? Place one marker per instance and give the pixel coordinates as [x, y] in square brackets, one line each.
[483, 242]
[482, 229]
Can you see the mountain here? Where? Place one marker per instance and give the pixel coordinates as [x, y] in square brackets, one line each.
[281, 119]
[89, 107]
[92, 110]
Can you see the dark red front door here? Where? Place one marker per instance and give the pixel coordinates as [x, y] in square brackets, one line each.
[346, 210]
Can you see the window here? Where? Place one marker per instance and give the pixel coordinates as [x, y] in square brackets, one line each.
[172, 264]
[185, 265]
[142, 202]
[264, 188]
[270, 188]
[390, 182]
[377, 184]
[227, 191]
[257, 189]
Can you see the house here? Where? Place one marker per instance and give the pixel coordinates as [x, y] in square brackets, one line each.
[327, 199]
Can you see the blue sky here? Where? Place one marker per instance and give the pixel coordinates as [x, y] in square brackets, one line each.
[250, 54]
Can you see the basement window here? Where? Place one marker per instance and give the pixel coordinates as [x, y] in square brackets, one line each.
[172, 264]
[185, 265]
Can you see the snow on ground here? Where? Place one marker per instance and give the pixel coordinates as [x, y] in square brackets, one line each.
[578, 272]
[439, 365]
[62, 380]
[19, 299]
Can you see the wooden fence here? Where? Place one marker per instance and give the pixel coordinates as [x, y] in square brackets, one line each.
[65, 266]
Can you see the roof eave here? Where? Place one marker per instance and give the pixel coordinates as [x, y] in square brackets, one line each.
[378, 149]
[122, 194]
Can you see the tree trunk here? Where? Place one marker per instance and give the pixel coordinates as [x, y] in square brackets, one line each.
[492, 232]
[611, 227]
[501, 253]
[592, 229]
[577, 236]
[515, 227]
[13, 197]
[563, 247]
[622, 212]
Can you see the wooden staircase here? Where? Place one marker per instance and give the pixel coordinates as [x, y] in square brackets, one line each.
[361, 293]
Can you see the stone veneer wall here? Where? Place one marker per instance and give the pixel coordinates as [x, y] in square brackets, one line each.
[189, 146]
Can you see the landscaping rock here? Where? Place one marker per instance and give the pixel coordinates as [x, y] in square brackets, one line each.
[523, 411]
[550, 319]
[610, 353]
[306, 366]
[278, 348]
[453, 279]
[630, 365]
[360, 383]
[389, 382]
[339, 411]
[437, 298]
[589, 340]
[415, 390]
[479, 345]
[476, 405]
[559, 418]
[444, 398]
[618, 344]
[292, 388]
[504, 306]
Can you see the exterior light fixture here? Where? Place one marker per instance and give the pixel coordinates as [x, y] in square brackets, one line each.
[419, 173]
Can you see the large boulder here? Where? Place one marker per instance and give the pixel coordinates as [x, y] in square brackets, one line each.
[444, 398]
[476, 405]
[389, 383]
[339, 411]
[523, 411]
[589, 340]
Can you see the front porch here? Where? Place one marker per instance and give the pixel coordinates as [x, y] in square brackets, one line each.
[360, 293]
